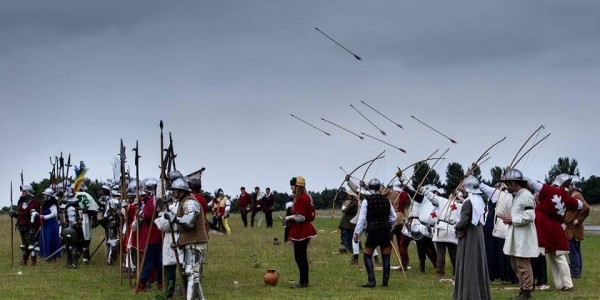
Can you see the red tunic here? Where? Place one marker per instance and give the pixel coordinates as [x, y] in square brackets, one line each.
[155, 234]
[24, 216]
[302, 230]
[549, 216]
[131, 210]
[245, 201]
[203, 203]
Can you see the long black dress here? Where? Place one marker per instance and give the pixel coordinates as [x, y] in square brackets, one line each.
[472, 281]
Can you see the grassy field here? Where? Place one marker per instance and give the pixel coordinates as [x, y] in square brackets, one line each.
[236, 265]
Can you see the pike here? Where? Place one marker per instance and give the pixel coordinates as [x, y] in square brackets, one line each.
[451, 140]
[382, 132]
[122, 157]
[12, 228]
[365, 103]
[62, 166]
[403, 151]
[138, 228]
[355, 56]
[311, 125]
[162, 194]
[360, 137]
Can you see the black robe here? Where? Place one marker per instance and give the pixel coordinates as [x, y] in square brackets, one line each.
[472, 281]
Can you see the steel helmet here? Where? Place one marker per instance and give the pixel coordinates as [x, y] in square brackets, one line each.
[49, 192]
[150, 184]
[397, 185]
[179, 184]
[374, 185]
[471, 185]
[576, 182]
[174, 175]
[561, 179]
[27, 189]
[512, 175]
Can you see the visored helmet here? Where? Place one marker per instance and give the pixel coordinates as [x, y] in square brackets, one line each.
[49, 192]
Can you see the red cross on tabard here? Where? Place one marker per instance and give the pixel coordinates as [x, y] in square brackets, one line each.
[433, 215]
[453, 207]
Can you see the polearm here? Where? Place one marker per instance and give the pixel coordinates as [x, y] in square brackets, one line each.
[323, 33]
[12, 229]
[402, 150]
[53, 173]
[451, 140]
[365, 103]
[66, 179]
[360, 137]
[149, 229]
[358, 111]
[162, 189]
[173, 155]
[122, 157]
[61, 160]
[138, 226]
[311, 125]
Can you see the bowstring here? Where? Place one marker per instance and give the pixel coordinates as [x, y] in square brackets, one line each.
[527, 158]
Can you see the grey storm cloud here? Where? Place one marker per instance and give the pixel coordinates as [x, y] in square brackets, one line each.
[435, 33]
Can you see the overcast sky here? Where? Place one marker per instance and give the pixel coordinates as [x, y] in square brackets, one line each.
[224, 76]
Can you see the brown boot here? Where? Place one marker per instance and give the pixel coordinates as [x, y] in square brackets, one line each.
[33, 260]
[25, 258]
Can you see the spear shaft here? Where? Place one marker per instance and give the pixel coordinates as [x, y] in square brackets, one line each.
[382, 132]
[451, 140]
[403, 151]
[360, 137]
[311, 125]
[365, 103]
[12, 228]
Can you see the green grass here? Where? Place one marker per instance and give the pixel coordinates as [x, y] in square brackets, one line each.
[236, 265]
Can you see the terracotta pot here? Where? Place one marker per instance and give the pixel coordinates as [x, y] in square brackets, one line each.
[271, 277]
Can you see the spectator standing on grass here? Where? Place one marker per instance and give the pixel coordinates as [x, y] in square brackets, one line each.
[301, 228]
[257, 199]
[268, 207]
[245, 205]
